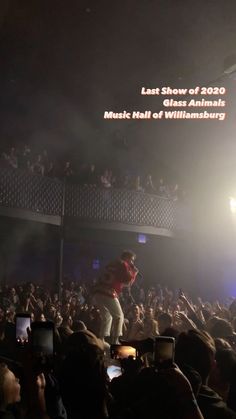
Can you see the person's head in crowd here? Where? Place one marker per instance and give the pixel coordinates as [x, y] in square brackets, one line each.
[131, 366]
[10, 316]
[135, 312]
[149, 178]
[4, 159]
[149, 314]
[225, 314]
[67, 321]
[126, 181]
[20, 289]
[79, 326]
[2, 331]
[55, 298]
[94, 312]
[128, 256]
[137, 183]
[30, 287]
[2, 314]
[83, 366]
[142, 309]
[39, 158]
[196, 349]
[29, 165]
[210, 323]
[164, 321]
[206, 313]
[129, 301]
[67, 294]
[194, 378]
[149, 186]
[226, 362]
[221, 329]
[74, 301]
[12, 151]
[26, 149]
[232, 308]
[51, 312]
[9, 387]
[152, 292]
[21, 306]
[12, 291]
[80, 289]
[223, 372]
[172, 332]
[221, 344]
[72, 286]
[10, 334]
[40, 317]
[66, 309]
[58, 320]
[81, 345]
[51, 168]
[234, 323]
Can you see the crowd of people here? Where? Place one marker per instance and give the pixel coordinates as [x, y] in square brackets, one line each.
[201, 383]
[87, 174]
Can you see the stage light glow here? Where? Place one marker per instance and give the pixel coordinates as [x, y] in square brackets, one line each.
[142, 238]
[232, 203]
[96, 264]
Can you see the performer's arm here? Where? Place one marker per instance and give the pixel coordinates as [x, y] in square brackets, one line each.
[130, 273]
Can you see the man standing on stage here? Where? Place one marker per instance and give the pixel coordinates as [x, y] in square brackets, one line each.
[118, 274]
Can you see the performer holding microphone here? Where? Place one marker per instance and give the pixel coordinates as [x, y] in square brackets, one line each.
[118, 274]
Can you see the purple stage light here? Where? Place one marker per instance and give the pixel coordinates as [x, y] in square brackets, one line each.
[142, 238]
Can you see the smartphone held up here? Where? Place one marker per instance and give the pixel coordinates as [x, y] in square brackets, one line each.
[123, 351]
[42, 338]
[22, 326]
[164, 352]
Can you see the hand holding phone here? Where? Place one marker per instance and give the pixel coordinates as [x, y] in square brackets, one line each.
[42, 346]
[113, 371]
[23, 322]
[164, 350]
[42, 338]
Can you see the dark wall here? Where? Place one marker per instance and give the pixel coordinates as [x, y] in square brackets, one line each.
[30, 251]
[198, 264]
[161, 260]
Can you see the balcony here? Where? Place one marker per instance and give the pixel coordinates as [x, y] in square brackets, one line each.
[51, 200]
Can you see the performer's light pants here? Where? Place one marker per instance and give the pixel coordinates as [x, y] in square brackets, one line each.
[111, 315]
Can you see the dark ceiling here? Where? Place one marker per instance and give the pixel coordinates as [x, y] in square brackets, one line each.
[63, 63]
